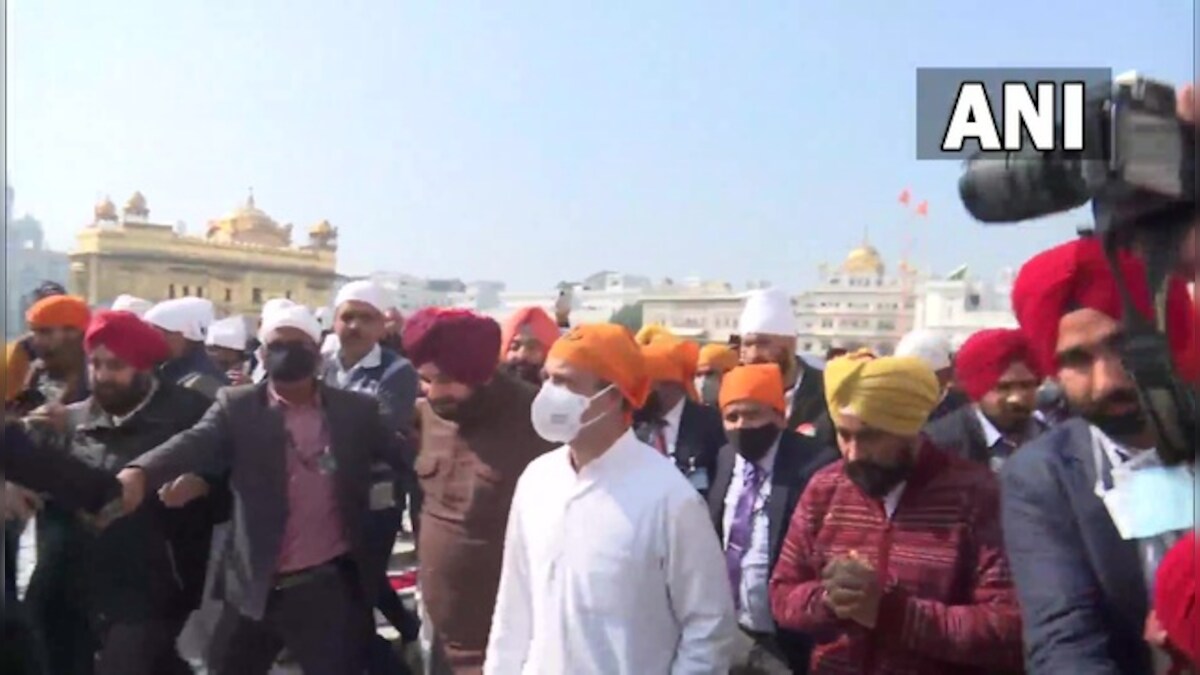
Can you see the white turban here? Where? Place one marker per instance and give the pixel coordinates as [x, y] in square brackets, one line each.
[364, 291]
[229, 333]
[332, 345]
[274, 305]
[324, 317]
[189, 317]
[768, 312]
[129, 303]
[296, 316]
[927, 345]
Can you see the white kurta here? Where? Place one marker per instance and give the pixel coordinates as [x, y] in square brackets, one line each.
[614, 570]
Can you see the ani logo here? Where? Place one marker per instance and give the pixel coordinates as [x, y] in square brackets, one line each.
[1029, 114]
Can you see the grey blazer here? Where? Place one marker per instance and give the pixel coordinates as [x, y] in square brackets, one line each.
[242, 435]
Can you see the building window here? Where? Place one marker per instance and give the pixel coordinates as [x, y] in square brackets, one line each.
[886, 324]
[186, 291]
[287, 294]
[171, 292]
[826, 323]
[256, 296]
[228, 295]
[199, 291]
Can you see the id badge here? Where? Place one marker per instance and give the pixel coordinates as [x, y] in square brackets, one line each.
[383, 496]
[699, 479]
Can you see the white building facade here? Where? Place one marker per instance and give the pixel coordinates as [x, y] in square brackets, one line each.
[697, 310]
[958, 305]
[593, 300]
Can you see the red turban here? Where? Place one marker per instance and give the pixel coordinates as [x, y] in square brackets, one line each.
[533, 319]
[1076, 276]
[1175, 597]
[461, 343]
[128, 337]
[984, 357]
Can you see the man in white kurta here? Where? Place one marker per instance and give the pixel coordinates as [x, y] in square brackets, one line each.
[611, 568]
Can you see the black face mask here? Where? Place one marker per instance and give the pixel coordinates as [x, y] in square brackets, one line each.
[289, 362]
[753, 443]
[530, 372]
[877, 480]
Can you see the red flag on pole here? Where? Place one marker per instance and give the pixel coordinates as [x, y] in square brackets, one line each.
[905, 196]
[923, 209]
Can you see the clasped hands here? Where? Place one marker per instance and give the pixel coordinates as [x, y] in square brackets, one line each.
[852, 589]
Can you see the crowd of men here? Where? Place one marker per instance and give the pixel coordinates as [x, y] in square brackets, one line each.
[586, 500]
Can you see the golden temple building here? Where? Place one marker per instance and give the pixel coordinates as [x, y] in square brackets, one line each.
[244, 259]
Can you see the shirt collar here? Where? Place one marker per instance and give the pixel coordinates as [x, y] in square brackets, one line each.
[612, 462]
[991, 435]
[675, 414]
[277, 401]
[371, 360]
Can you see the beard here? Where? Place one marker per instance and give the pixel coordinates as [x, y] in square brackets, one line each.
[455, 410]
[523, 370]
[116, 399]
[1117, 425]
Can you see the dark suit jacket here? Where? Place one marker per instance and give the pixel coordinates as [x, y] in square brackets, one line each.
[67, 480]
[1083, 598]
[797, 459]
[809, 407]
[960, 433]
[243, 435]
[701, 435]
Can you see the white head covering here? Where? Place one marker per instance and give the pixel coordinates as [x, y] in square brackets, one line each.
[929, 346]
[324, 317]
[331, 345]
[296, 316]
[130, 303]
[189, 317]
[768, 312]
[364, 291]
[229, 333]
[274, 305]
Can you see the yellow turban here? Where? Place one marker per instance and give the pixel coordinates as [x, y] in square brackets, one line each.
[893, 393]
[653, 333]
[718, 357]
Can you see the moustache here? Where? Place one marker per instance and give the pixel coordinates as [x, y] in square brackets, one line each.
[1121, 397]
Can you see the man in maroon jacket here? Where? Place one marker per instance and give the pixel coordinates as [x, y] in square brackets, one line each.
[893, 561]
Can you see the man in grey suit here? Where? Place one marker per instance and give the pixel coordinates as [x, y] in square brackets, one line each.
[299, 458]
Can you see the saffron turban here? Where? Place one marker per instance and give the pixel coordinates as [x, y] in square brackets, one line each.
[717, 357]
[652, 333]
[59, 311]
[533, 321]
[190, 317]
[768, 312]
[895, 394]
[461, 343]
[761, 382]
[983, 358]
[129, 338]
[1175, 597]
[929, 346]
[1076, 276]
[609, 352]
[669, 360]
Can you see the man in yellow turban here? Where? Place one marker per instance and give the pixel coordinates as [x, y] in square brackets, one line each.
[898, 538]
[605, 527]
[672, 420]
[714, 361]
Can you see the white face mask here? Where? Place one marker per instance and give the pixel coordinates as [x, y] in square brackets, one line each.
[557, 412]
[1147, 499]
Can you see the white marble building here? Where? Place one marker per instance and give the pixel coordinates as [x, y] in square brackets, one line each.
[958, 305]
[593, 300]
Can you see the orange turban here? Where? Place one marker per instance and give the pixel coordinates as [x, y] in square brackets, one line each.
[16, 369]
[59, 311]
[607, 351]
[533, 319]
[718, 357]
[670, 360]
[761, 382]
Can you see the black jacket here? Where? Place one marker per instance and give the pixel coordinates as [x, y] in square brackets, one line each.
[796, 460]
[809, 408]
[701, 435]
[960, 433]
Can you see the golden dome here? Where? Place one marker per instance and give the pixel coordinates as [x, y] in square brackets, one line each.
[249, 224]
[105, 209]
[863, 260]
[136, 204]
[321, 229]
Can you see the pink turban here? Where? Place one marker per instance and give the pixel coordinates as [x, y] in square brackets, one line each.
[461, 343]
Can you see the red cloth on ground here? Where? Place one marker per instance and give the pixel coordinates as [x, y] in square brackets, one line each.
[130, 339]
[983, 358]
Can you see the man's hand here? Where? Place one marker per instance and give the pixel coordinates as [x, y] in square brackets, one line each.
[19, 503]
[50, 416]
[852, 589]
[183, 490]
[133, 489]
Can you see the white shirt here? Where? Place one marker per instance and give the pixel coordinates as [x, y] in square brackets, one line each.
[892, 499]
[344, 374]
[670, 428]
[754, 610]
[611, 570]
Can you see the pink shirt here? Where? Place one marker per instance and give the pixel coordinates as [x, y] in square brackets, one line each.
[313, 533]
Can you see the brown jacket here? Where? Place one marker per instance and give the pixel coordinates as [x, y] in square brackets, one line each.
[469, 471]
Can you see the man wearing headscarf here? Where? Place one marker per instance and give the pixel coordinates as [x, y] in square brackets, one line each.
[226, 342]
[184, 323]
[19, 354]
[257, 372]
[714, 361]
[671, 420]
[760, 476]
[934, 349]
[58, 373]
[768, 335]
[393, 330]
[361, 364]
[128, 589]
[299, 456]
[894, 555]
[525, 337]
[603, 531]
[475, 438]
[996, 371]
[131, 304]
[1075, 546]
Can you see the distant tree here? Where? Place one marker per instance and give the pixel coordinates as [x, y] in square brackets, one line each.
[629, 316]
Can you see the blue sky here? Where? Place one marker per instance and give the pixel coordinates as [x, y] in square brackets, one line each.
[537, 141]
